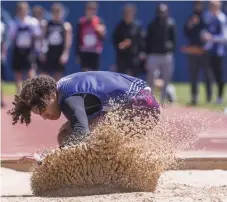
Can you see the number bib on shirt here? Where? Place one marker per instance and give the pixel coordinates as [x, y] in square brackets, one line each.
[55, 38]
[24, 40]
[89, 40]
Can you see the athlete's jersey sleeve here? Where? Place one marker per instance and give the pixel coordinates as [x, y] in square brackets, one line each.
[74, 110]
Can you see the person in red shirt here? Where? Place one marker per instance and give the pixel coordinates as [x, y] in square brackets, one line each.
[89, 38]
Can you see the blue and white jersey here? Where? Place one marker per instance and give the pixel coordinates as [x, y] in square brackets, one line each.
[103, 84]
[216, 25]
[22, 32]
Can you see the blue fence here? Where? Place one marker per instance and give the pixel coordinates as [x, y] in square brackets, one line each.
[111, 12]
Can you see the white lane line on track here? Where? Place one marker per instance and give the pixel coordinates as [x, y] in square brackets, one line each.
[219, 141]
[213, 134]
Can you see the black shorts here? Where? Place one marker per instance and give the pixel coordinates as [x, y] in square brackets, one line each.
[22, 60]
[89, 60]
[128, 64]
[53, 65]
[39, 64]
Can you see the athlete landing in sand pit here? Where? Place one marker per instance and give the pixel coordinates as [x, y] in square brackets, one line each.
[82, 97]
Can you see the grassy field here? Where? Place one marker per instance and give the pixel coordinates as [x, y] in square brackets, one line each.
[183, 95]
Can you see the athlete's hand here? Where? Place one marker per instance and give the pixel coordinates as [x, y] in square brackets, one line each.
[124, 44]
[207, 36]
[194, 21]
[142, 56]
[65, 126]
[34, 159]
[64, 57]
[101, 29]
[27, 159]
[127, 42]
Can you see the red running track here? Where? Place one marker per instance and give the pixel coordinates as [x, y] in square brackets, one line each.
[20, 139]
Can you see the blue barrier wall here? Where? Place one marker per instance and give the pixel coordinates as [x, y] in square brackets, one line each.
[111, 12]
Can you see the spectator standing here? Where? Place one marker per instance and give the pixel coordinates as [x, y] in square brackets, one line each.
[129, 42]
[3, 57]
[161, 44]
[215, 38]
[58, 35]
[196, 57]
[225, 8]
[23, 32]
[38, 13]
[89, 38]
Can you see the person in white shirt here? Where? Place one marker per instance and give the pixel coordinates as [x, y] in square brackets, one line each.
[215, 38]
[23, 32]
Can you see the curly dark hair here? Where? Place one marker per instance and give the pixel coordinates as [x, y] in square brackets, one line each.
[35, 93]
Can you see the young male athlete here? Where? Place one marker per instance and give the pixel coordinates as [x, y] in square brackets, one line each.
[82, 97]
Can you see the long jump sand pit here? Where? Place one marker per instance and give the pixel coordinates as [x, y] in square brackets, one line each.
[133, 155]
[173, 186]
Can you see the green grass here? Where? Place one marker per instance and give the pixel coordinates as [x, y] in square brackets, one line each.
[183, 95]
[9, 88]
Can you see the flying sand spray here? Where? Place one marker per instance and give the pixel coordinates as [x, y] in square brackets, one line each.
[122, 154]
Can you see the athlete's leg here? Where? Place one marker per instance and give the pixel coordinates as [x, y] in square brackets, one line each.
[167, 68]
[18, 80]
[153, 63]
[31, 73]
[85, 61]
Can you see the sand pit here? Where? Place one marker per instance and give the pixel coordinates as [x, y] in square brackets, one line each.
[105, 163]
[126, 152]
[176, 186]
[126, 156]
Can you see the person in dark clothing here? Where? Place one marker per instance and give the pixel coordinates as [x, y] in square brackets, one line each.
[58, 35]
[215, 38]
[89, 38]
[128, 40]
[83, 98]
[38, 12]
[3, 57]
[160, 46]
[225, 7]
[197, 59]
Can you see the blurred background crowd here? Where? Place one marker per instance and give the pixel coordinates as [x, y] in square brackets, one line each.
[161, 50]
